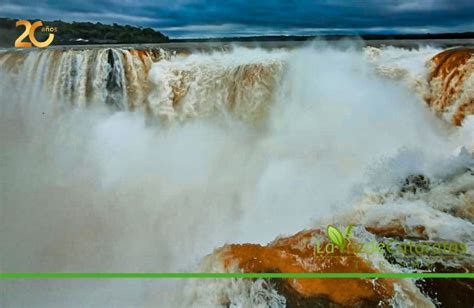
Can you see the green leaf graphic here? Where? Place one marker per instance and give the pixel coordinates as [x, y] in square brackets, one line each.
[335, 236]
[347, 232]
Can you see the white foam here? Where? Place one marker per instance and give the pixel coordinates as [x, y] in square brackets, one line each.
[90, 190]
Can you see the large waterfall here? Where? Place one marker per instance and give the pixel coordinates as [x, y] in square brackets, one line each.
[146, 159]
[117, 77]
[178, 87]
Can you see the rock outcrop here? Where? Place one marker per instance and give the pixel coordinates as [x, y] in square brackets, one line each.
[419, 228]
[300, 254]
[451, 84]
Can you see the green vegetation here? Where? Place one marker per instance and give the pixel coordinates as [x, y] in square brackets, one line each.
[83, 33]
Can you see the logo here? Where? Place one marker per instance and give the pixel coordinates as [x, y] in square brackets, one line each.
[30, 33]
[339, 244]
[337, 237]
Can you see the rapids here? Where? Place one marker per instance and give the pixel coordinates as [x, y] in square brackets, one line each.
[146, 160]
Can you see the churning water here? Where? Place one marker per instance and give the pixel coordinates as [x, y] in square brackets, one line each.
[128, 160]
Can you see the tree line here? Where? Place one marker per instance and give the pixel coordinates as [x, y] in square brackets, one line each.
[83, 33]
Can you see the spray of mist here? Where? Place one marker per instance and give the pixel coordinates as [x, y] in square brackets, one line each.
[87, 189]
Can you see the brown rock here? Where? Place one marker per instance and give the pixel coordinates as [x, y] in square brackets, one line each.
[296, 254]
[449, 71]
[398, 230]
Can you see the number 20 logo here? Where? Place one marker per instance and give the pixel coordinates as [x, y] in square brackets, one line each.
[30, 31]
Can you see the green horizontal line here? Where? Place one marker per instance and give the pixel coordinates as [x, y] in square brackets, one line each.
[236, 275]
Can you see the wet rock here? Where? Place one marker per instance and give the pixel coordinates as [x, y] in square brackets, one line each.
[450, 82]
[415, 184]
[298, 254]
[445, 292]
[397, 229]
[449, 292]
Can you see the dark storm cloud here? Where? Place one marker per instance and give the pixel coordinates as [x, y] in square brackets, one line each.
[191, 18]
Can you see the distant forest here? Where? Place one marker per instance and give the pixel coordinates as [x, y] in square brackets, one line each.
[83, 33]
[333, 37]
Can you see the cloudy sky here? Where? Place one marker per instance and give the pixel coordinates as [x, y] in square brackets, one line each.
[214, 18]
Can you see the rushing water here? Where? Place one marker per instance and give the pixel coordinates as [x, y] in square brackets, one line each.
[130, 160]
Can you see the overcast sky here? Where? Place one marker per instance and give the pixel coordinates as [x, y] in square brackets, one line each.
[211, 18]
